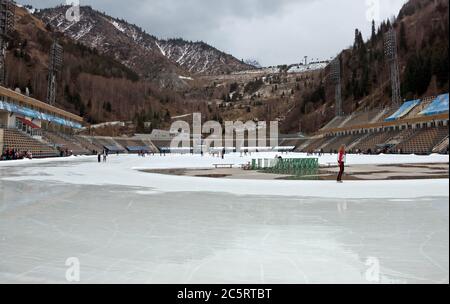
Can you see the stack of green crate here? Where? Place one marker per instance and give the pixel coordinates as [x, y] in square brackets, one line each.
[294, 166]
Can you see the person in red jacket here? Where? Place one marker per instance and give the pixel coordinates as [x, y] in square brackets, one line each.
[341, 162]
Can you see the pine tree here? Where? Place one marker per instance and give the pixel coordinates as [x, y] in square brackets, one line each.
[374, 35]
[356, 43]
[403, 41]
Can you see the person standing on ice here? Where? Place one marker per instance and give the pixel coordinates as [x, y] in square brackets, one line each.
[341, 162]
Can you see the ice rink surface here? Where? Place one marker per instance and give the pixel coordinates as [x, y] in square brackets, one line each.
[127, 226]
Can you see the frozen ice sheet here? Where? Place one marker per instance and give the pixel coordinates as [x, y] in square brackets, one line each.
[128, 227]
[120, 236]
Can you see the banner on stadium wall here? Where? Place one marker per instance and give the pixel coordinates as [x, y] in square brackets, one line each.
[13, 108]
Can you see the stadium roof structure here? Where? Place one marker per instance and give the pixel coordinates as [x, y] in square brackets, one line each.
[114, 149]
[439, 106]
[137, 148]
[404, 110]
[34, 108]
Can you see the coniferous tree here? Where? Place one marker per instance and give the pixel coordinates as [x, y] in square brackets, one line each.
[374, 35]
[403, 41]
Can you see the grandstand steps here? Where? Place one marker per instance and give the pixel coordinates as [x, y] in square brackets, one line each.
[64, 141]
[374, 140]
[303, 146]
[151, 145]
[316, 143]
[104, 142]
[442, 146]
[293, 142]
[88, 144]
[401, 137]
[424, 141]
[333, 122]
[358, 141]
[380, 116]
[116, 143]
[342, 140]
[329, 142]
[346, 120]
[15, 139]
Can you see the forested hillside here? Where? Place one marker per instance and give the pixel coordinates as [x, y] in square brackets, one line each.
[422, 28]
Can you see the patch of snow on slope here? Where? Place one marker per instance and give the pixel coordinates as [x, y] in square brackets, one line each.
[30, 10]
[161, 49]
[308, 67]
[83, 32]
[179, 60]
[118, 27]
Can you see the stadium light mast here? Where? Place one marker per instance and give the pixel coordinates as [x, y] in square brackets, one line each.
[335, 77]
[390, 49]
[54, 67]
[7, 13]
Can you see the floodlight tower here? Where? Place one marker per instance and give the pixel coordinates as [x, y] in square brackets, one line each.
[54, 67]
[7, 13]
[335, 76]
[390, 50]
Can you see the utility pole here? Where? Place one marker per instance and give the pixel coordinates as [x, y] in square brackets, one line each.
[390, 49]
[7, 13]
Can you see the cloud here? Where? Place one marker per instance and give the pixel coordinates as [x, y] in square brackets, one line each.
[271, 31]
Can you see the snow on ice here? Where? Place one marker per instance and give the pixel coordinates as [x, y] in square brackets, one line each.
[128, 226]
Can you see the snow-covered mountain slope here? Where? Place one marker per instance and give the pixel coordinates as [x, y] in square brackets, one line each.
[301, 68]
[200, 58]
[139, 50]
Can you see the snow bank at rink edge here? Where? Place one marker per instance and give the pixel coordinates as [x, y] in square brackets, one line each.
[37, 161]
[124, 171]
[187, 161]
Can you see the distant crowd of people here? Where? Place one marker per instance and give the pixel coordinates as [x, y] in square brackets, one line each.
[103, 156]
[65, 152]
[356, 151]
[13, 154]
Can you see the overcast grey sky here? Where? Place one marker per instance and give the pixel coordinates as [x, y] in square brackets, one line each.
[270, 31]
